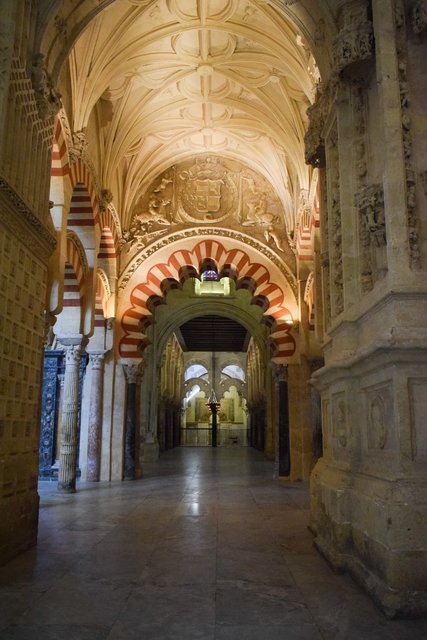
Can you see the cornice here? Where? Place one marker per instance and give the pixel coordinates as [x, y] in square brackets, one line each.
[22, 222]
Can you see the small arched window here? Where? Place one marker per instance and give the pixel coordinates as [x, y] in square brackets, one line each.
[196, 371]
[210, 275]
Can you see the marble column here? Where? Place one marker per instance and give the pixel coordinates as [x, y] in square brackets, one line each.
[95, 417]
[131, 373]
[69, 423]
[282, 460]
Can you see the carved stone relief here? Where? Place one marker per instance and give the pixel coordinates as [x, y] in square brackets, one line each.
[355, 41]
[205, 190]
[334, 206]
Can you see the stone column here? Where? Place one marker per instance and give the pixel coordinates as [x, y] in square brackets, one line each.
[69, 423]
[95, 417]
[282, 460]
[131, 373]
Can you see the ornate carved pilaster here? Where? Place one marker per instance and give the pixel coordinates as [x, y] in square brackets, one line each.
[401, 48]
[335, 228]
[95, 417]
[370, 204]
[132, 372]
[68, 452]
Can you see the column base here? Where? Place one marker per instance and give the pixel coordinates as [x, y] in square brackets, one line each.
[64, 487]
[150, 451]
[374, 528]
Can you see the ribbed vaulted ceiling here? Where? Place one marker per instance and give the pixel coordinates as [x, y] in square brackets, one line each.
[163, 80]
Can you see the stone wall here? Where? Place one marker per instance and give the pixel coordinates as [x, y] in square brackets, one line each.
[23, 265]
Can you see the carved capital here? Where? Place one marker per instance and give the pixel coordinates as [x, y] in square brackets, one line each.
[47, 98]
[79, 145]
[280, 372]
[97, 360]
[132, 372]
[72, 355]
[370, 203]
[105, 198]
[419, 16]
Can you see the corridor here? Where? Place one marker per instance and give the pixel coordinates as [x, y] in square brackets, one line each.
[206, 546]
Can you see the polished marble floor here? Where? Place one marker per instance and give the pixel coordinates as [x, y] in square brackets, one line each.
[207, 546]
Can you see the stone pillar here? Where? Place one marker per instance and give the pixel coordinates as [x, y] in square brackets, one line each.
[68, 452]
[95, 417]
[131, 373]
[282, 460]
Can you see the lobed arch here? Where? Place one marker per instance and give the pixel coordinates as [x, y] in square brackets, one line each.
[148, 288]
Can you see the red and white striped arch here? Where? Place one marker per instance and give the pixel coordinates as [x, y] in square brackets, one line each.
[74, 273]
[308, 221]
[100, 304]
[60, 166]
[250, 269]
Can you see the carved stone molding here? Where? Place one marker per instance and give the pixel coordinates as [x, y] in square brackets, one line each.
[23, 223]
[47, 98]
[419, 16]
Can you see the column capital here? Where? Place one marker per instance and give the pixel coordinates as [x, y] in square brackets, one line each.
[72, 354]
[132, 372]
[97, 359]
[280, 372]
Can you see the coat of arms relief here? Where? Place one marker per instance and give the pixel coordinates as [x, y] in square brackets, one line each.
[209, 189]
